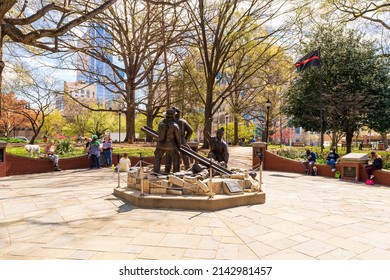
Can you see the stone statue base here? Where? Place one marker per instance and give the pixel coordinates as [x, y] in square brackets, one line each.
[187, 191]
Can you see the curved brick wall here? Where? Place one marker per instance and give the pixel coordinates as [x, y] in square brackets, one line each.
[16, 165]
[274, 162]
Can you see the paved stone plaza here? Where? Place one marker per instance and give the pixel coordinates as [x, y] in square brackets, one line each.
[73, 215]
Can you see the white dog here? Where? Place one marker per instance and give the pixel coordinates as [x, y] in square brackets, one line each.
[33, 150]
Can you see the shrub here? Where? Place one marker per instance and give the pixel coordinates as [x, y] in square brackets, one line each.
[64, 147]
[291, 153]
[12, 140]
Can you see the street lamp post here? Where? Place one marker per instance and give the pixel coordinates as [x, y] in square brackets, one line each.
[268, 106]
[119, 116]
[226, 126]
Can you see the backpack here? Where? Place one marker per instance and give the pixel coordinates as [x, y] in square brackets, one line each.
[94, 148]
[337, 174]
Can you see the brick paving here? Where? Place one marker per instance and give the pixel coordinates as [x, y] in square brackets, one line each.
[73, 215]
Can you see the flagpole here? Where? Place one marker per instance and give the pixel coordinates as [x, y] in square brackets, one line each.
[313, 59]
[321, 105]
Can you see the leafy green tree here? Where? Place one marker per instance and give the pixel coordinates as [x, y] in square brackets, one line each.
[100, 122]
[354, 81]
[77, 122]
[380, 120]
[54, 124]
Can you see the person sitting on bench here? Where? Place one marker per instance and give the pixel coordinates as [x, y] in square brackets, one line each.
[49, 153]
[332, 158]
[309, 162]
[376, 164]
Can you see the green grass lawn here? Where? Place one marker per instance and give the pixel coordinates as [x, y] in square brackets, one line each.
[79, 151]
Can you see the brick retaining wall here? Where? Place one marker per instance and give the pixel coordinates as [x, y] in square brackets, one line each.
[16, 165]
[273, 162]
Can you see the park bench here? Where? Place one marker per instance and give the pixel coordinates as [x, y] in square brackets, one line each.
[298, 144]
[139, 140]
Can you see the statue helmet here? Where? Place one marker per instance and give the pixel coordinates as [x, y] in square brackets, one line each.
[170, 112]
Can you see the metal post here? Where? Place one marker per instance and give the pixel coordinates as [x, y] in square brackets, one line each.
[119, 178]
[141, 174]
[211, 175]
[268, 105]
[119, 114]
[321, 106]
[261, 156]
[226, 127]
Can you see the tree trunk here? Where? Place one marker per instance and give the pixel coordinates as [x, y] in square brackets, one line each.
[130, 122]
[207, 128]
[130, 114]
[149, 123]
[334, 141]
[348, 138]
[235, 140]
[208, 115]
[384, 140]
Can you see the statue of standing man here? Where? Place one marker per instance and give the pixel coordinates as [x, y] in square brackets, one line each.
[185, 132]
[169, 141]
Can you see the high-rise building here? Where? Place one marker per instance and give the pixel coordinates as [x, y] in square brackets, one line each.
[94, 71]
[83, 92]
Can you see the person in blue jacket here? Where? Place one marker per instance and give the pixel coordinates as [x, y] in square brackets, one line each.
[309, 162]
[332, 158]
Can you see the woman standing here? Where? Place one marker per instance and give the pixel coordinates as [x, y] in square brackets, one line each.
[107, 150]
[94, 152]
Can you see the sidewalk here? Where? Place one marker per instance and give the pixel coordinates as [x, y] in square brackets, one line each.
[73, 215]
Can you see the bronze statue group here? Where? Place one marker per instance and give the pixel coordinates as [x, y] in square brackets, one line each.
[174, 132]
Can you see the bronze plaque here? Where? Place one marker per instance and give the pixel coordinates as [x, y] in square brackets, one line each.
[233, 186]
[1, 155]
[350, 172]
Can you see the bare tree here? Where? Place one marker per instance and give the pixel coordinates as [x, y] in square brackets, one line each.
[371, 16]
[39, 23]
[37, 93]
[374, 11]
[155, 99]
[132, 49]
[263, 72]
[220, 31]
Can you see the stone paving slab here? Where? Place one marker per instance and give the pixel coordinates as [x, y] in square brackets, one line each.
[73, 215]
